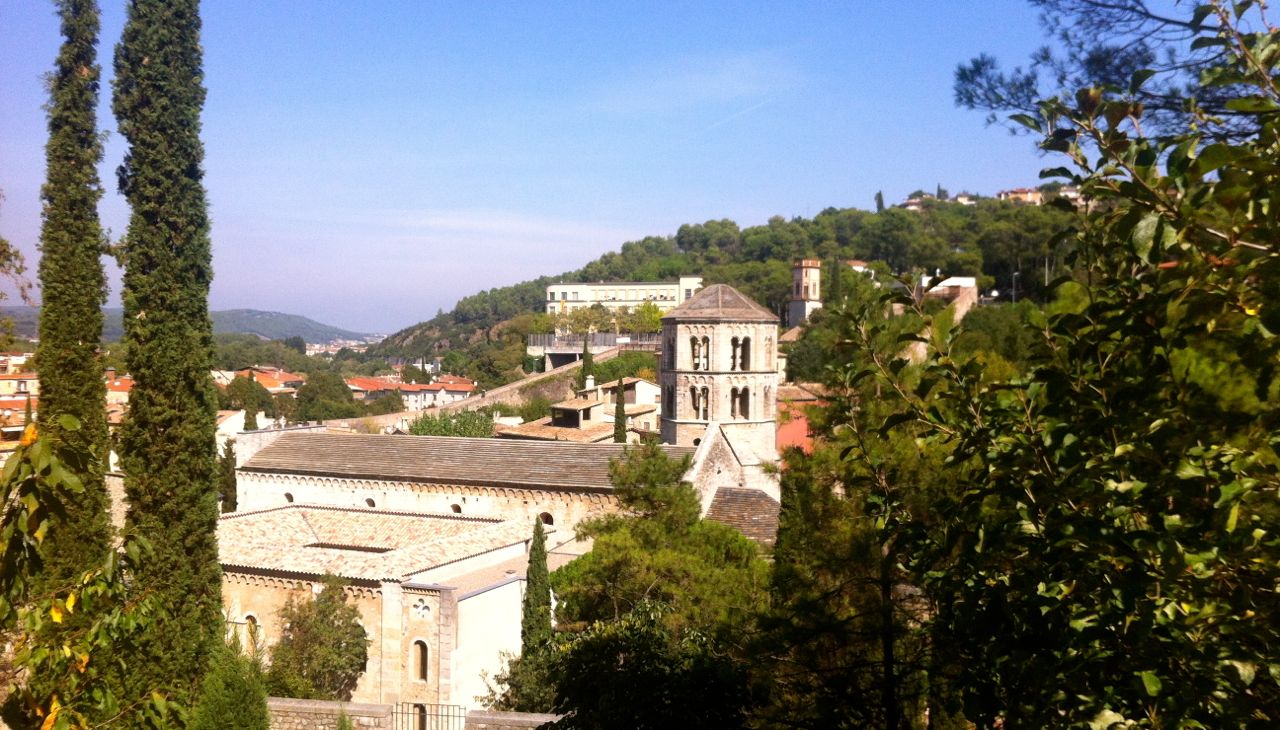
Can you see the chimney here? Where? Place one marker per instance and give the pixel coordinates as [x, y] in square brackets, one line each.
[590, 382]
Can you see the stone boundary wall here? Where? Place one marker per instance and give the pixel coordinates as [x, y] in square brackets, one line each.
[289, 714]
[489, 720]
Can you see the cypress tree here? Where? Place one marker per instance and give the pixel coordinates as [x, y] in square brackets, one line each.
[167, 443]
[620, 416]
[535, 624]
[835, 293]
[588, 362]
[74, 289]
[227, 476]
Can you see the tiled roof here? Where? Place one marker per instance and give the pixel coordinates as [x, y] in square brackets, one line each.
[751, 511]
[542, 430]
[720, 302]
[370, 384]
[120, 385]
[444, 460]
[453, 380]
[578, 404]
[357, 543]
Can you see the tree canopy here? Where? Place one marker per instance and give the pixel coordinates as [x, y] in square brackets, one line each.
[322, 649]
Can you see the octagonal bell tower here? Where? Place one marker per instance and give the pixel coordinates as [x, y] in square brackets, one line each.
[719, 365]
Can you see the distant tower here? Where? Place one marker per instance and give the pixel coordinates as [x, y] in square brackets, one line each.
[806, 291]
[719, 365]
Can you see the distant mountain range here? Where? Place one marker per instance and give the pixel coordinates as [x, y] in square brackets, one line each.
[269, 325]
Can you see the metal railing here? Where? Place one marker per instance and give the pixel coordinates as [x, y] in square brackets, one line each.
[427, 716]
[597, 339]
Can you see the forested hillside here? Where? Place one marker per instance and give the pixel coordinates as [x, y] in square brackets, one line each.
[484, 333]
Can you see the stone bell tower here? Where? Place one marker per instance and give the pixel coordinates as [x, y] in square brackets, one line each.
[719, 365]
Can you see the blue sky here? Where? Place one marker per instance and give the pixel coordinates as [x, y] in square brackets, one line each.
[370, 163]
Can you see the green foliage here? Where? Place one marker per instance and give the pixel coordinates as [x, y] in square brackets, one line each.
[248, 395]
[658, 549]
[646, 318]
[475, 424]
[239, 351]
[534, 408]
[631, 364]
[295, 343]
[344, 721]
[73, 287]
[1004, 330]
[227, 476]
[322, 649]
[386, 403]
[324, 396]
[1108, 43]
[535, 625]
[51, 671]
[1108, 557]
[620, 415]
[637, 673]
[587, 367]
[167, 443]
[234, 693]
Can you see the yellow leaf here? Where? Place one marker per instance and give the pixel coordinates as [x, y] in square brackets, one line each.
[82, 662]
[56, 613]
[52, 717]
[29, 435]
[71, 603]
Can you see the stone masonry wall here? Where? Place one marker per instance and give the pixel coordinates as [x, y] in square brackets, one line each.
[287, 714]
[487, 720]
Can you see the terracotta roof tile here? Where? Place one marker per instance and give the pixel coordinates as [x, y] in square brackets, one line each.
[720, 302]
[357, 543]
[750, 511]
[444, 460]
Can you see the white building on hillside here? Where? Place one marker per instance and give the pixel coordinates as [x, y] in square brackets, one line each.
[566, 297]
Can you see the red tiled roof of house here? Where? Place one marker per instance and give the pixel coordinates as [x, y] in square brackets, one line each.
[370, 385]
[120, 385]
[453, 380]
[18, 376]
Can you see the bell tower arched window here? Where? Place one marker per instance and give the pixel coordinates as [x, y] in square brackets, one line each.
[706, 353]
[744, 354]
[695, 352]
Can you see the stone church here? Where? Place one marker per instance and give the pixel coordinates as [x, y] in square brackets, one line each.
[431, 534]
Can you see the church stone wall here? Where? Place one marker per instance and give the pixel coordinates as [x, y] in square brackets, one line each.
[290, 714]
[393, 618]
[263, 490]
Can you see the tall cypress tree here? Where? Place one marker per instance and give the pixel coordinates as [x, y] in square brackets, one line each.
[620, 416]
[74, 289]
[535, 624]
[167, 442]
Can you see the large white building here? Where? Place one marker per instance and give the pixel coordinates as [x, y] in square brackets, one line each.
[565, 297]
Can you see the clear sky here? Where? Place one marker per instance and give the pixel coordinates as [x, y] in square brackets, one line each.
[368, 163]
